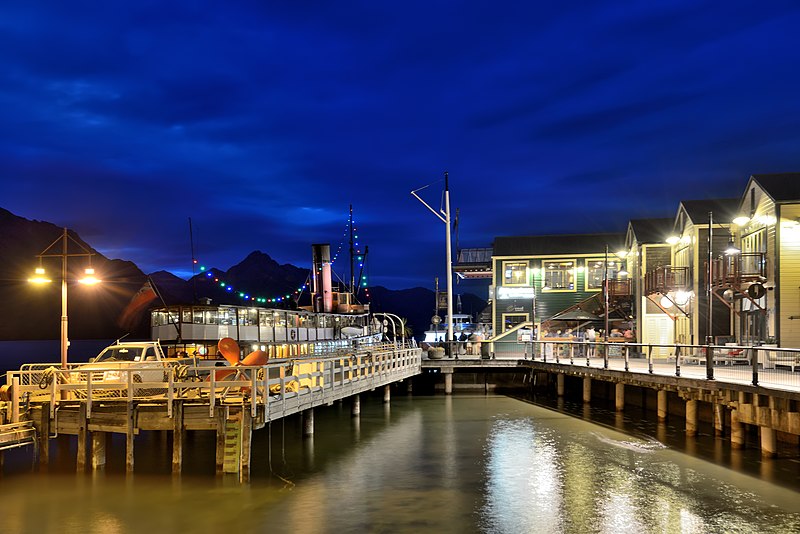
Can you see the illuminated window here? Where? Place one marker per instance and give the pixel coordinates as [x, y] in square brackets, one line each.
[559, 275]
[595, 272]
[515, 273]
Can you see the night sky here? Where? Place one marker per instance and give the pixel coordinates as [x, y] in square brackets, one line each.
[263, 121]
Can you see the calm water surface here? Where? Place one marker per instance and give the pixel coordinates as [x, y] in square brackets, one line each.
[424, 464]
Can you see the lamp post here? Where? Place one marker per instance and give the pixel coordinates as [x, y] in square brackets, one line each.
[40, 278]
[730, 251]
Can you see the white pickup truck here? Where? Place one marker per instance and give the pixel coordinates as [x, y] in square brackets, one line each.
[144, 361]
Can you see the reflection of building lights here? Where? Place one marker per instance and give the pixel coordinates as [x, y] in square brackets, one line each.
[666, 302]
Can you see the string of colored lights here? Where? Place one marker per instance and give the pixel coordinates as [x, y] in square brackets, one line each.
[258, 299]
[362, 283]
[247, 295]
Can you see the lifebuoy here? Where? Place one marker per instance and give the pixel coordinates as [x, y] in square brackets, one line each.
[293, 334]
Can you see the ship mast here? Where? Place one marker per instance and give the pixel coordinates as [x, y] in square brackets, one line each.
[352, 256]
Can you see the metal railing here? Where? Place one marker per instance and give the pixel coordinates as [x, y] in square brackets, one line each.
[742, 364]
[666, 279]
[738, 269]
[331, 376]
[772, 367]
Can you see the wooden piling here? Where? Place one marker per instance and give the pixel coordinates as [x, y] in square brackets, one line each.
[129, 434]
[247, 440]
[178, 434]
[80, 464]
[98, 450]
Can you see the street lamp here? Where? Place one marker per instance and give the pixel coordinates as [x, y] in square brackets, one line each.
[40, 277]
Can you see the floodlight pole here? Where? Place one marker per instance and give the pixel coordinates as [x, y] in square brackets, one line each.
[445, 218]
[64, 255]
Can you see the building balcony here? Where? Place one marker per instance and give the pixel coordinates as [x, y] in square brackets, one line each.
[667, 279]
[739, 270]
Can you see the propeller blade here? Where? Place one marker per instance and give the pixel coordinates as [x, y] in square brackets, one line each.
[223, 374]
[229, 349]
[256, 358]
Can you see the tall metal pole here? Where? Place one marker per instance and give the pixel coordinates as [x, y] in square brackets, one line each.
[64, 326]
[605, 295]
[709, 295]
[352, 252]
[449, 259]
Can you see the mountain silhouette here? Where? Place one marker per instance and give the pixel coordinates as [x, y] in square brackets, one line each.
[34, 311]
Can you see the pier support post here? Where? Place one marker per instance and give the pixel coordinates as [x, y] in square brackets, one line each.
[409, 386]
[587, 389]
[98, 450]
[448, 381]
[130, 431]
[308, 422]
[560, 384]
[177, 437]
[356, 409]
[662, 404]
[387, 393]
[691, 417]
[719, 419]
[80, 464]
[619, 397]
[737, 431]
[44, 435]
[769, 442]
[247, 441]
[221, 417]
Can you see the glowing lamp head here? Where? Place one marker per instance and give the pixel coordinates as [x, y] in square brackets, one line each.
[673, 240]
[741, 220]
[89, 279]
[39, 276]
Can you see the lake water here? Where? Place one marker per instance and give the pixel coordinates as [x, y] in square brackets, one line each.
[422, 464]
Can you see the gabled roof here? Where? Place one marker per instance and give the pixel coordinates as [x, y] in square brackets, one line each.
[651, 230]
[783, 187]
[540, 245]
[724, 210]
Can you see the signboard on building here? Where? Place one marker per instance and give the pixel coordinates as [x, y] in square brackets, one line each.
[504, 293]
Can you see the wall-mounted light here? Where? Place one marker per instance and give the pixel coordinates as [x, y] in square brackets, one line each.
[732, 249]
[741, 220]
[673, 240]
[666, 302]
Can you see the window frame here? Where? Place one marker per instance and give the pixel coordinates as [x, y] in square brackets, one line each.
[574, 270]
[526, 282]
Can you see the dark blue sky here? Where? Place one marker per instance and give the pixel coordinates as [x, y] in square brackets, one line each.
[263, 121]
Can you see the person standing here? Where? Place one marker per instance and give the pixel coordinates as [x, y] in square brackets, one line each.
[591, 337]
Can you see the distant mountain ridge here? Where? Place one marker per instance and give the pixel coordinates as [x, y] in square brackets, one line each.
[34, 312]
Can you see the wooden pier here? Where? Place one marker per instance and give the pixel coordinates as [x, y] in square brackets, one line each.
[53, 403]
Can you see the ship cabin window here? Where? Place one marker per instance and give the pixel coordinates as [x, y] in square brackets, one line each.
[227, 316]
[197, 316]
[515, 273]
[248, 317]
[559, 275]
[265, 318]
[279, 319]
[595, 272]
[186, 315]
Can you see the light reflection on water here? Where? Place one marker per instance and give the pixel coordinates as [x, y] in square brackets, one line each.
[427, 464]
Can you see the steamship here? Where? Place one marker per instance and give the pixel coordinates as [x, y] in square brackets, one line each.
[333, 321]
